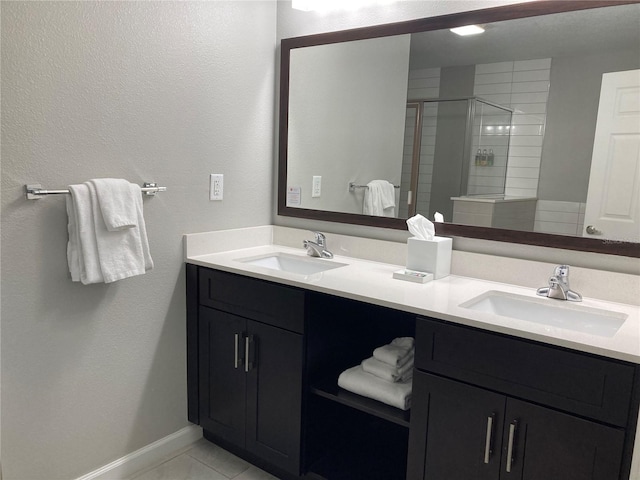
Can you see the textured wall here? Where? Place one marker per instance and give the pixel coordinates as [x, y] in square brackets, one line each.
[148, 91]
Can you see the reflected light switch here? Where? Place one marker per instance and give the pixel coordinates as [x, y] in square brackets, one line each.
[316, 188]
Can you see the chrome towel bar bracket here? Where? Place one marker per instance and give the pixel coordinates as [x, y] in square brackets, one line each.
[35, 191]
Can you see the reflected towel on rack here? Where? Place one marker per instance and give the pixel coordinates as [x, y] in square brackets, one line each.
[117, 203]
[96, 254]
[379, 199]
[396, 394]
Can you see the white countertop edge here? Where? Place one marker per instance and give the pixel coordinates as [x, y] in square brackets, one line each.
[372, 282]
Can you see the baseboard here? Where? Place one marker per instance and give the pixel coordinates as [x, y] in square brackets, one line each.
[146, 456]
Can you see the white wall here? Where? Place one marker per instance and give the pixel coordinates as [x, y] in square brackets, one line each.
[148, 91]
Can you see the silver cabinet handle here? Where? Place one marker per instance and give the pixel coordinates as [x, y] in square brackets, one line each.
[247, 342]
[236, 350]
[591, 230]
[510, 449]
[487, 442]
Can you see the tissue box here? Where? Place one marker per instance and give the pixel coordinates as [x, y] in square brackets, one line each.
[433, 256]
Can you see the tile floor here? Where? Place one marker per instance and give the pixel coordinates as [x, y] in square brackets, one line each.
[203, 461]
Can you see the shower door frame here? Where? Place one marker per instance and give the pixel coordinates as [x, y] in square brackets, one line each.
[418, 104]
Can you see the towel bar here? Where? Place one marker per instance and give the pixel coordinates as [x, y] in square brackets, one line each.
[35, 191]
[353, 186]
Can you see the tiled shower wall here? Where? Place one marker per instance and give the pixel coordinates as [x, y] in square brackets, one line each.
[524, 87]
[490, 135]
[562, 218]
[520, 85]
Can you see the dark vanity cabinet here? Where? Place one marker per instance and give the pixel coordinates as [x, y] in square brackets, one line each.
[491, 407]
[248, 364]
[263, 363]
[264, 359]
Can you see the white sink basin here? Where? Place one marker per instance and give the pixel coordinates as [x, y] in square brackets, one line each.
[547, 311]
[302, 265]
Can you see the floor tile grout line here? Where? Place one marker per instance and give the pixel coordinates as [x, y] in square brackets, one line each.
[168, 458]
[211, 467]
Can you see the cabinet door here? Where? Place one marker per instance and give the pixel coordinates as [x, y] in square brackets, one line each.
[222, 377]
[549, 445]
[274, 395]
[455, 430]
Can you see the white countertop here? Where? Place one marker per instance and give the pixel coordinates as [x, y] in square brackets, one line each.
[373, 282]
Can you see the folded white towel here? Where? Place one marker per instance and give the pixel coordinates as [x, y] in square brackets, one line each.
[82, 248]
[73, 246]
[96, 254]
[379, 199]
[396, 394]
[117, 203]
[142, 227]
[406, 342]
[387, 372]
[397, 353]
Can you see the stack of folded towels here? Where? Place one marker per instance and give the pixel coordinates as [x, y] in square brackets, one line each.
[386, 376]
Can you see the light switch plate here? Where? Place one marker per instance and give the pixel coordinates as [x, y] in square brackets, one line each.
[216, 186]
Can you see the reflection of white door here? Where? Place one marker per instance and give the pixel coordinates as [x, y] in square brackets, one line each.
[613, 201]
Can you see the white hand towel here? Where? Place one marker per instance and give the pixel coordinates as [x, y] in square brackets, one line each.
[73, 245]
[387, 372]
[379, 199]
[82, 248]
[358, 381]
[142, 228]
[397, 353]
[120, 251]
[117, 203]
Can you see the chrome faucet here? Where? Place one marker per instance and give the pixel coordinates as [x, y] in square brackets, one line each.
[559, 286]
[319, 247]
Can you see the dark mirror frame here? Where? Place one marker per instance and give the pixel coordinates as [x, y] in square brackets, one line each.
[488, 15]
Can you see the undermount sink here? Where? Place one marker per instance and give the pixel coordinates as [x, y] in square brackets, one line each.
[546, 311]
[302, 265]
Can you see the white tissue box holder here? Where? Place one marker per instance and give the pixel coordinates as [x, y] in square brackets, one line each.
[433, 256]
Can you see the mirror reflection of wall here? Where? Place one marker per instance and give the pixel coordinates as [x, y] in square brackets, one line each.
[547, 70]
[334, 92]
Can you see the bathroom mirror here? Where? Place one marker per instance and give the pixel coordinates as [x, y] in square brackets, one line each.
[526, 48]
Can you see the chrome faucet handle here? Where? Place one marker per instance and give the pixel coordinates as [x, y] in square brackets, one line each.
[562, 272]
[320, 238]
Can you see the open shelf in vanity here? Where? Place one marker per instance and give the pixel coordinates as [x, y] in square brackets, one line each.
[367, 447]
[329, 390]
[347, 435]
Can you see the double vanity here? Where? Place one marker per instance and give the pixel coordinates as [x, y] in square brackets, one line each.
[507, 384]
